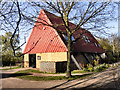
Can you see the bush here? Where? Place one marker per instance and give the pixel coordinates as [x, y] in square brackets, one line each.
[88, 68]
[8, 60]
[97, 68]
[101, 67]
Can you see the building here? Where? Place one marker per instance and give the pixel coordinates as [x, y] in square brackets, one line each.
[46, 47]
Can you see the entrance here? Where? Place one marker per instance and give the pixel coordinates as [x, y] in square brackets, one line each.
[32, 60]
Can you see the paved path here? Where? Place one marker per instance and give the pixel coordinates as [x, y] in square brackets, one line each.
[107, 79]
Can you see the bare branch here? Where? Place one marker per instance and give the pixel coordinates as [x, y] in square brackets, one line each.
[11, 39]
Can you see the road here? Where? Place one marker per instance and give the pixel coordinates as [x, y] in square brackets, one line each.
[109, 79]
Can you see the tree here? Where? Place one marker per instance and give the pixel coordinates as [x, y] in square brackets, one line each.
[106, 44]
[7, 52]
[111, 48]
[90, 15]
[6, 47]
[115, 44]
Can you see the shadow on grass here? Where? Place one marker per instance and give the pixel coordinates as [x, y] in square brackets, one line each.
[7, 75]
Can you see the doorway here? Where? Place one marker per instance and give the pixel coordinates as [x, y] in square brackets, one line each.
[32, 60]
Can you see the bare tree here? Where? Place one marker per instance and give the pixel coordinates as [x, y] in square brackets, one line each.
[88, 15]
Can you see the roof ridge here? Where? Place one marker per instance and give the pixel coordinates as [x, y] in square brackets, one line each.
[58, 17]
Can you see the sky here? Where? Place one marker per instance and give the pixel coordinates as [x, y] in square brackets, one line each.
[113, 30]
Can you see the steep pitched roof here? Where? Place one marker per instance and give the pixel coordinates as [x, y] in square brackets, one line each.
[46, 39]
[80, 45]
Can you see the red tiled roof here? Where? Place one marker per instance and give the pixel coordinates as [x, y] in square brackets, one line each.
[44, 38]
[48, 40]
[80, 45]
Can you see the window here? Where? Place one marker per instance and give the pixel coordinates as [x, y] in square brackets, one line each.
[95, 44]
[43, 28]
[99, 45]
[84, 36]
[86, 39]
[72, 38]
[38, 57]
[65, 37]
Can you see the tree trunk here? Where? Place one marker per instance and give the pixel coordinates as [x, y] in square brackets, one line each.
[68, 74]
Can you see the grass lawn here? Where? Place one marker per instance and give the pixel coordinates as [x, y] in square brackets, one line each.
[29, 71]
[11, 68]
[46, 78]
[37, 71]
[24, 74]
[78, 71]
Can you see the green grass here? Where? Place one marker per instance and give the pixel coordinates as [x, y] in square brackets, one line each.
[47, 78]
[79, 71]
[101, 67]
[36, 71]
[32, 71]
[42, 78]
[24, 74]
[11, 68]
[29, 71]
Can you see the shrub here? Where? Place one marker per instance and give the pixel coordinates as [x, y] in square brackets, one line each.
[101, 67]
[96, 62]
[97, 68]
[90, 67]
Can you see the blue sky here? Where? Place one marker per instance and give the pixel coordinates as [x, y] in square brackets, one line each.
[113, 24]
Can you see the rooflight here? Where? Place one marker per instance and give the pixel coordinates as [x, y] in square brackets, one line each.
[95, 44]
[72, 38]
[99, 45]
[28, 49]
[43, 28]
[86, 39]
[84, 36]
[66, 38]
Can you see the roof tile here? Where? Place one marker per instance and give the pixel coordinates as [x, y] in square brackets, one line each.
[46, 39]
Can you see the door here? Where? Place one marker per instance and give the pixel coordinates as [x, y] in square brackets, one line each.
[32, 60]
